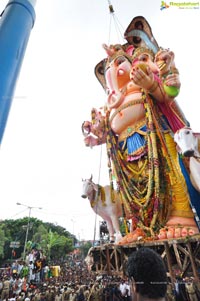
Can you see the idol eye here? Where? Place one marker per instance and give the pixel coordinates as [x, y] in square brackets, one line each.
[120, 60]
[117, 48]
[144, 58]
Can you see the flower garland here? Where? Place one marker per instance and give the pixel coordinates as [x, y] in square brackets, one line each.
[100, 193]
[142, 186]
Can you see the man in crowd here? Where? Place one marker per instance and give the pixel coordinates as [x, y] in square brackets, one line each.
[147, 274]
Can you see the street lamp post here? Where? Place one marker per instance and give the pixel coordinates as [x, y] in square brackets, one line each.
[73, 221]
[28, 225]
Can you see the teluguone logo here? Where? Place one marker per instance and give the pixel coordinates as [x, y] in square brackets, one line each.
[181, 5]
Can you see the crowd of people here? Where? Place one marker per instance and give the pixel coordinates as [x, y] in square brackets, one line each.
[36, 280]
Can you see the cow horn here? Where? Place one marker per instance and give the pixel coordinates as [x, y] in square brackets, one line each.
[91, 178]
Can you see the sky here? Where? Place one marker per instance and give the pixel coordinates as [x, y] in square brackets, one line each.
[43, 158]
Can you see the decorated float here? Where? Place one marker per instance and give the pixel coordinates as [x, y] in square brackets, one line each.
[149, 174]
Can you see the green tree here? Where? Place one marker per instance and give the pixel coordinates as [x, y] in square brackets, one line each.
[40, 238]
[56, 242]
[84, 248]
[15, 230]
[2, 241]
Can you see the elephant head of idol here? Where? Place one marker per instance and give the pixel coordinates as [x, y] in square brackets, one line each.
[115, 72]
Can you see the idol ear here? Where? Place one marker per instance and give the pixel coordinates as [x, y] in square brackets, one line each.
[108, 50]
[99, 72]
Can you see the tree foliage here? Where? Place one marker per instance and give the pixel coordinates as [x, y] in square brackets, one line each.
[55, 241]
[2, 241]
[84, 248]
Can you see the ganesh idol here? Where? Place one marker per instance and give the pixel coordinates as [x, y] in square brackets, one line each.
[137, 124]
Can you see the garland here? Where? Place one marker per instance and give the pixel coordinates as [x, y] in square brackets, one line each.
[143, 185]
[99, 195]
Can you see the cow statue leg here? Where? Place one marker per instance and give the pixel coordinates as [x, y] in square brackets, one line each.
[110, 230]
[115, 223]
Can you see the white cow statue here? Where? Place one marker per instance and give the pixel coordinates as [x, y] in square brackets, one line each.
[103, 205]
[187, 145]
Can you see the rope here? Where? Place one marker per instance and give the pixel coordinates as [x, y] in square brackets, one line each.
[119, 35]
[117, 28]
[116, 24]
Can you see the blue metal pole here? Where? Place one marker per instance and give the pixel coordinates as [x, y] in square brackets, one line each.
[16, 23]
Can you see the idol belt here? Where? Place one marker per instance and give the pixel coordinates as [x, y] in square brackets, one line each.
[131, 129]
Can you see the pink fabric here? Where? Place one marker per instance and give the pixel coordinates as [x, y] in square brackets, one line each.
[173, 120]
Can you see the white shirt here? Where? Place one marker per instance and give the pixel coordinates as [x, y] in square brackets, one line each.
[122, 288]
